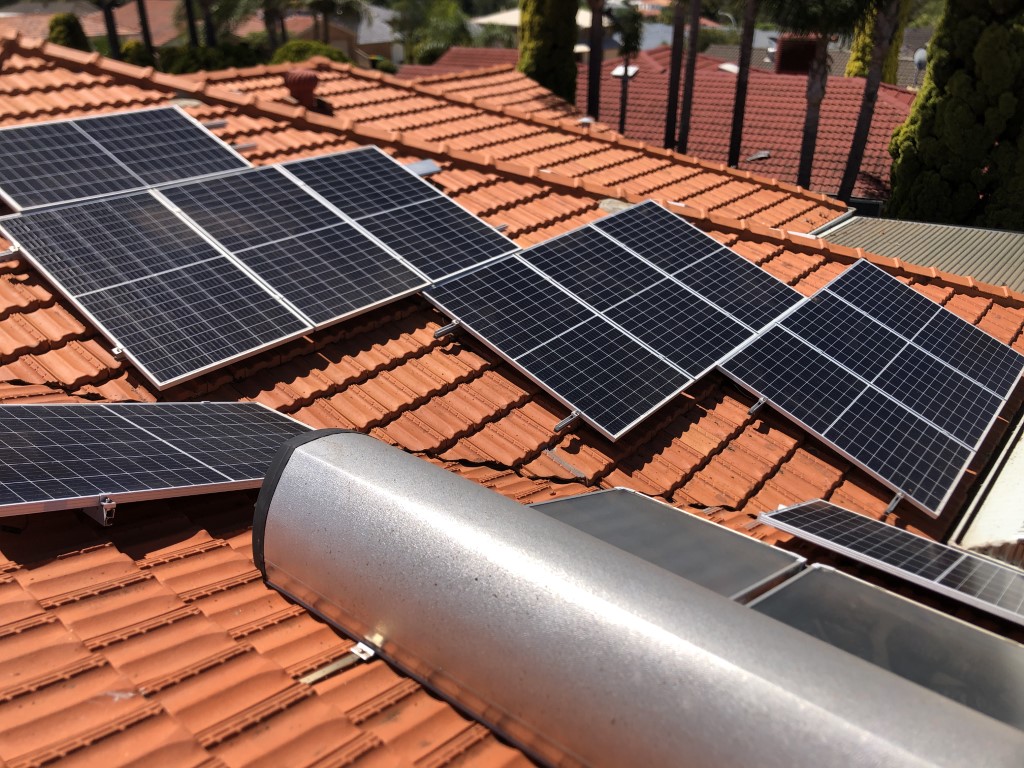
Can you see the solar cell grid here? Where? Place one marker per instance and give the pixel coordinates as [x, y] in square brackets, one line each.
[613, 380]
[93, 245]
[963, 575]
[687, 330]
[666, 240]
[361, 182]
[895, 305]
[972, 351]
[437, 236]
[48, 163]
[897, 445]
[741, 288]
[161, 145]
[177, 323]
[250, 209]
[592, 267]
[331, 272]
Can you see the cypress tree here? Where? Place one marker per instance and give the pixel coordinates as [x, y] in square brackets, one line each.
[66, 29]
[547, 35]
[959, 158]
[863, 44]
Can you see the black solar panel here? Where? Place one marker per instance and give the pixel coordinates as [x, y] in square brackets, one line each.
[161, 145]
[437, 236]
[974, 580]
[884, 298]
[575, 354]
[666, 240]
[50, 163]
[67, 456]
[332, 272]
[972, 351]
[178, 324]
[361, 182]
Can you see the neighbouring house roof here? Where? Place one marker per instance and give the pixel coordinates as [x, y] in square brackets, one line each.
[157, 638]
[993, 255]
[774, 119]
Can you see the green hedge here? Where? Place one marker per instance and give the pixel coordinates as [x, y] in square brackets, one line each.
[303, 50]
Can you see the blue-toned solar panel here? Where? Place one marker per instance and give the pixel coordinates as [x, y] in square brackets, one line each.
[249, 209]
[332, 272]
[666, 240]
[577, 355]
[604, 373]
[361, 182]
[679, 325]
[93, 245]
[70, 160]
[53, 162]
[178, 324]
[972, 579]
[437, 236]
[795, 377]
[68, 456]
[161, 145]
[894, 443]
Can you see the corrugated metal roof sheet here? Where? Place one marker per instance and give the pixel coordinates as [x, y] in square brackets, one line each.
[988, 255]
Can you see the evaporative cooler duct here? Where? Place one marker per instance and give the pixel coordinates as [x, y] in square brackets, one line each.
[578, 652]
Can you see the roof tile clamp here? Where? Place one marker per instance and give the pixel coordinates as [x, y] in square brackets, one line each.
[215, 124]
[757, 406]
[245, 146]
[103, 512]
[892, 505]
[447, 330]
[10, 251]
[567, 421]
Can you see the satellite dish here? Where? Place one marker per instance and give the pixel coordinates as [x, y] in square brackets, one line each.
[920, 59]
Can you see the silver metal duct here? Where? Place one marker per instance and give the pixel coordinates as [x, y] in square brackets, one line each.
[577, 651]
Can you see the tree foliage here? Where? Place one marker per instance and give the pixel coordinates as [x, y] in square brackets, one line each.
[428, 28]
[547, 35]
[66, 30]
[959, 158]
[863, 45]
[303, 50]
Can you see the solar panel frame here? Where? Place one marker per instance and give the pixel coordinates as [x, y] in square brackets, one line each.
[93, 435]
[886, 534]
[133, 181]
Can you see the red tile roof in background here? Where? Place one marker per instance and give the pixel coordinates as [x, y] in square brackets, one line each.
[163, 618]
[774, 119]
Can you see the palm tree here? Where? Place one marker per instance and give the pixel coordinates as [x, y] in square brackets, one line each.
[190, 19]
[691, 73]
[629, 25]
[674, 68]
[739, 107]
[595, 58]
[113, 42]
[820, 19]
[886, 22]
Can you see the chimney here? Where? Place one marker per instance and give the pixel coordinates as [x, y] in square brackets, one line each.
[301, 85]
[794, 55]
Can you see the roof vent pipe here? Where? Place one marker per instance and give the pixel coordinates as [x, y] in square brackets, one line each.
[571, 648]
[301, 85]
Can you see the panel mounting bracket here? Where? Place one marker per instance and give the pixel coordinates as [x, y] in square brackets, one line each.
[447, 330]
[567, 421]
[103, 512]
[363, 651]
[757, 406]
[10, 251]
[892, 505]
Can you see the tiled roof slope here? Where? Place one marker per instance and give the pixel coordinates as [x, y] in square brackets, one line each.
[155, 639]
[774, 117]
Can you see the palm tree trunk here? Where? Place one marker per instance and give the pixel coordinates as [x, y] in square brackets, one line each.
[817, 79]
[739, 107]
[284, 30]
[326, 29]
[147, 37]
[624, 95]
[193, 29]
[595, 58]
[111, 23]
[675, 68]
[886, 23]
[209, 25]
[691, 73]
[270, 24]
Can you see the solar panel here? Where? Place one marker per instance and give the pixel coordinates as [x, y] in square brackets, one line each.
[48, 163]
[70, 456]
[577, 355]
[978, 669]
[666, 240]
[430, 231]
[969, 578]
[896, 382]
[713, 556]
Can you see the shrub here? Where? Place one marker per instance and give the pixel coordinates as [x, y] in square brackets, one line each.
[179, 59]
[303, 50]
[66, 29]
[134, 52]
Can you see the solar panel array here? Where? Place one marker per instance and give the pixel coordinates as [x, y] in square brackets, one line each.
[974, 580]
[895, 381]
[47, 163]
[619, 316]
[429, 230]
[69, 456]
